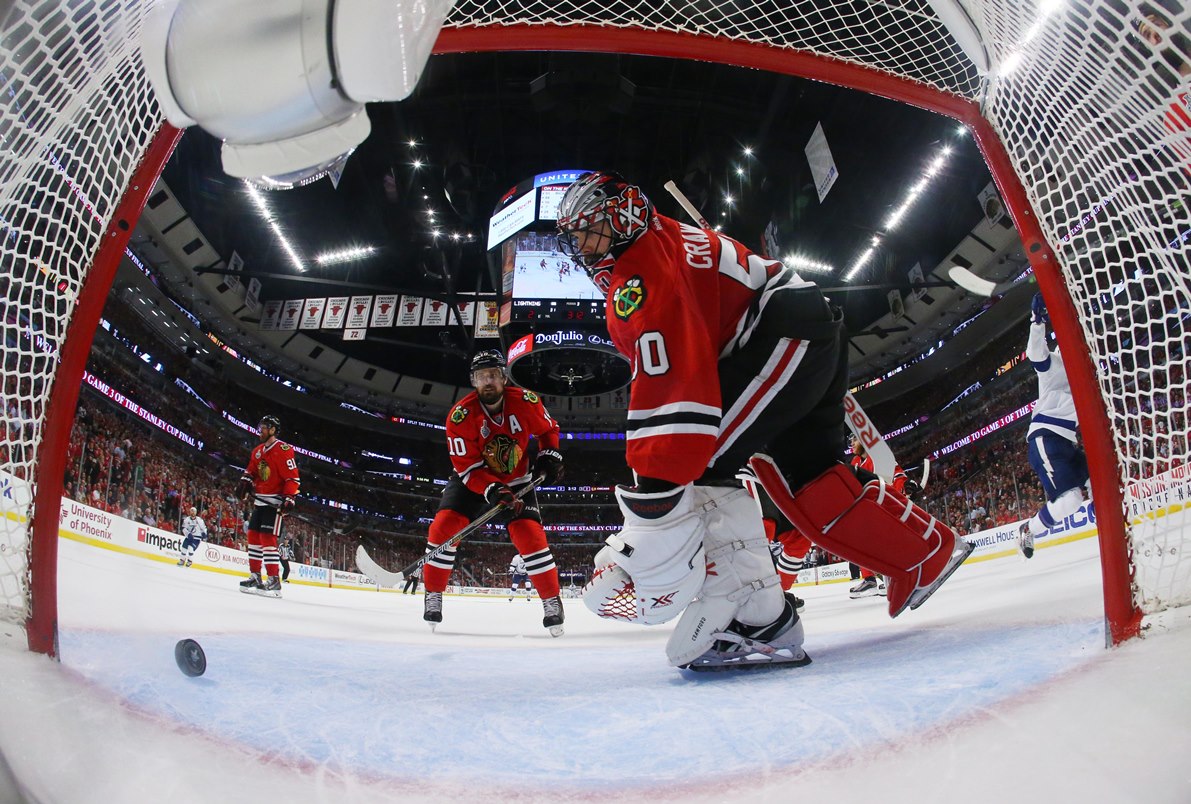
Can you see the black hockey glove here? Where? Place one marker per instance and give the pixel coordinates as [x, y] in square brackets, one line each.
[245, 487]
[500, 494]
[911, 489]
[287, 505]
[549, 465]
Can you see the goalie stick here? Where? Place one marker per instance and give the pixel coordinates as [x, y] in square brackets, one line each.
[384, 577]
[858, 421]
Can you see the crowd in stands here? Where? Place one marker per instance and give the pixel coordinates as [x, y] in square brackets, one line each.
[123, 464]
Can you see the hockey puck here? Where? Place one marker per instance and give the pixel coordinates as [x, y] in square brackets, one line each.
[190, 657]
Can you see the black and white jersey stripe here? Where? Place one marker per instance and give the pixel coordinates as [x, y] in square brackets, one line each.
[444, 560]
[674, 419]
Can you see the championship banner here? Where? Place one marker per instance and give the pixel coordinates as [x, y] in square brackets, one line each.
[291, 310]
[357, 312]
[487, 323]
[236, 266]
[336, 312]
[467, 313]
[384, 311]
[434, 313]
[252, 296]
[916, 277]
[312, 314]
[410, 313]
[822, 163]
[270, 315]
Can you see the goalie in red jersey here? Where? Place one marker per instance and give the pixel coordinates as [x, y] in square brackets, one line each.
[488, 436]
[736, 360]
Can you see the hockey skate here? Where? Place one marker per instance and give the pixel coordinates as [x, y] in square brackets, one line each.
[868, 587]
[959, 554]
[189, 562]
[181, 562]
[272, 588]
[552, 606]
[744, 647]
[251, 584]
[1025, 540]
[433, 611]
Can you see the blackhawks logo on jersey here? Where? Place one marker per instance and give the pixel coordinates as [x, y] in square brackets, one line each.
[502, 454]
[530, 396]
[628, 298]
[263, 471]
[458, 415]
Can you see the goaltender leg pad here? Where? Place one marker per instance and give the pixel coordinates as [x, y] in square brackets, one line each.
[873, 526]
[655, 565]
[741, 583]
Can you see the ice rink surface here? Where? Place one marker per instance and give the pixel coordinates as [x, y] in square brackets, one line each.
[998, 689]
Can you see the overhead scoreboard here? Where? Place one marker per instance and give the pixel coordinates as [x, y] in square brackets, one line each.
[552, 317]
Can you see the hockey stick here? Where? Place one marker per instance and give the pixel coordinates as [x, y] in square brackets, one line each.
[981, 287]
[884, 464]
[686, 204]
[384, 577]
[858, 421]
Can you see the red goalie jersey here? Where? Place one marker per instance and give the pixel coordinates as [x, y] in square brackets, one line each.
[680, 298]
[486, 449]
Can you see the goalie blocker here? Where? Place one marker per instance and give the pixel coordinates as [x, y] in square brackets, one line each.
[870, 525]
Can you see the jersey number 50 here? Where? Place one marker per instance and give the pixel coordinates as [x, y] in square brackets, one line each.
[651, 347]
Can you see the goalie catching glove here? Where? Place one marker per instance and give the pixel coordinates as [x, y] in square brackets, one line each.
[655, 565]
[549, 466]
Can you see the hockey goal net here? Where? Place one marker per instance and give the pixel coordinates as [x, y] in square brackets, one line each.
[1080, 107]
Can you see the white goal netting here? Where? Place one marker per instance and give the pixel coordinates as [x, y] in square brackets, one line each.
[1090, 100]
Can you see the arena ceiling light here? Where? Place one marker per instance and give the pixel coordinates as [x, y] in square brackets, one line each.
[916, 190]
[262, 205]
[800, 262]
[345, 255]
[283, 83]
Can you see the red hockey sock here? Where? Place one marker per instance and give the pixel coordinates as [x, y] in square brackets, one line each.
[529, 538]
[254, 551]
[269, 555]
[436, 573]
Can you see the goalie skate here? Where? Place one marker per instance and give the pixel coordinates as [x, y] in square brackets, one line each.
[743, 647]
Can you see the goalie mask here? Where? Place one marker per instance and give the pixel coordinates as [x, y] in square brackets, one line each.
[599, 216]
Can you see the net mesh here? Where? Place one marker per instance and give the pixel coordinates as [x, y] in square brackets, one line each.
[76, 115]
[1089, 98]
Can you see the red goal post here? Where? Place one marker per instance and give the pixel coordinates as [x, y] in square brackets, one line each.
[1073, 106]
